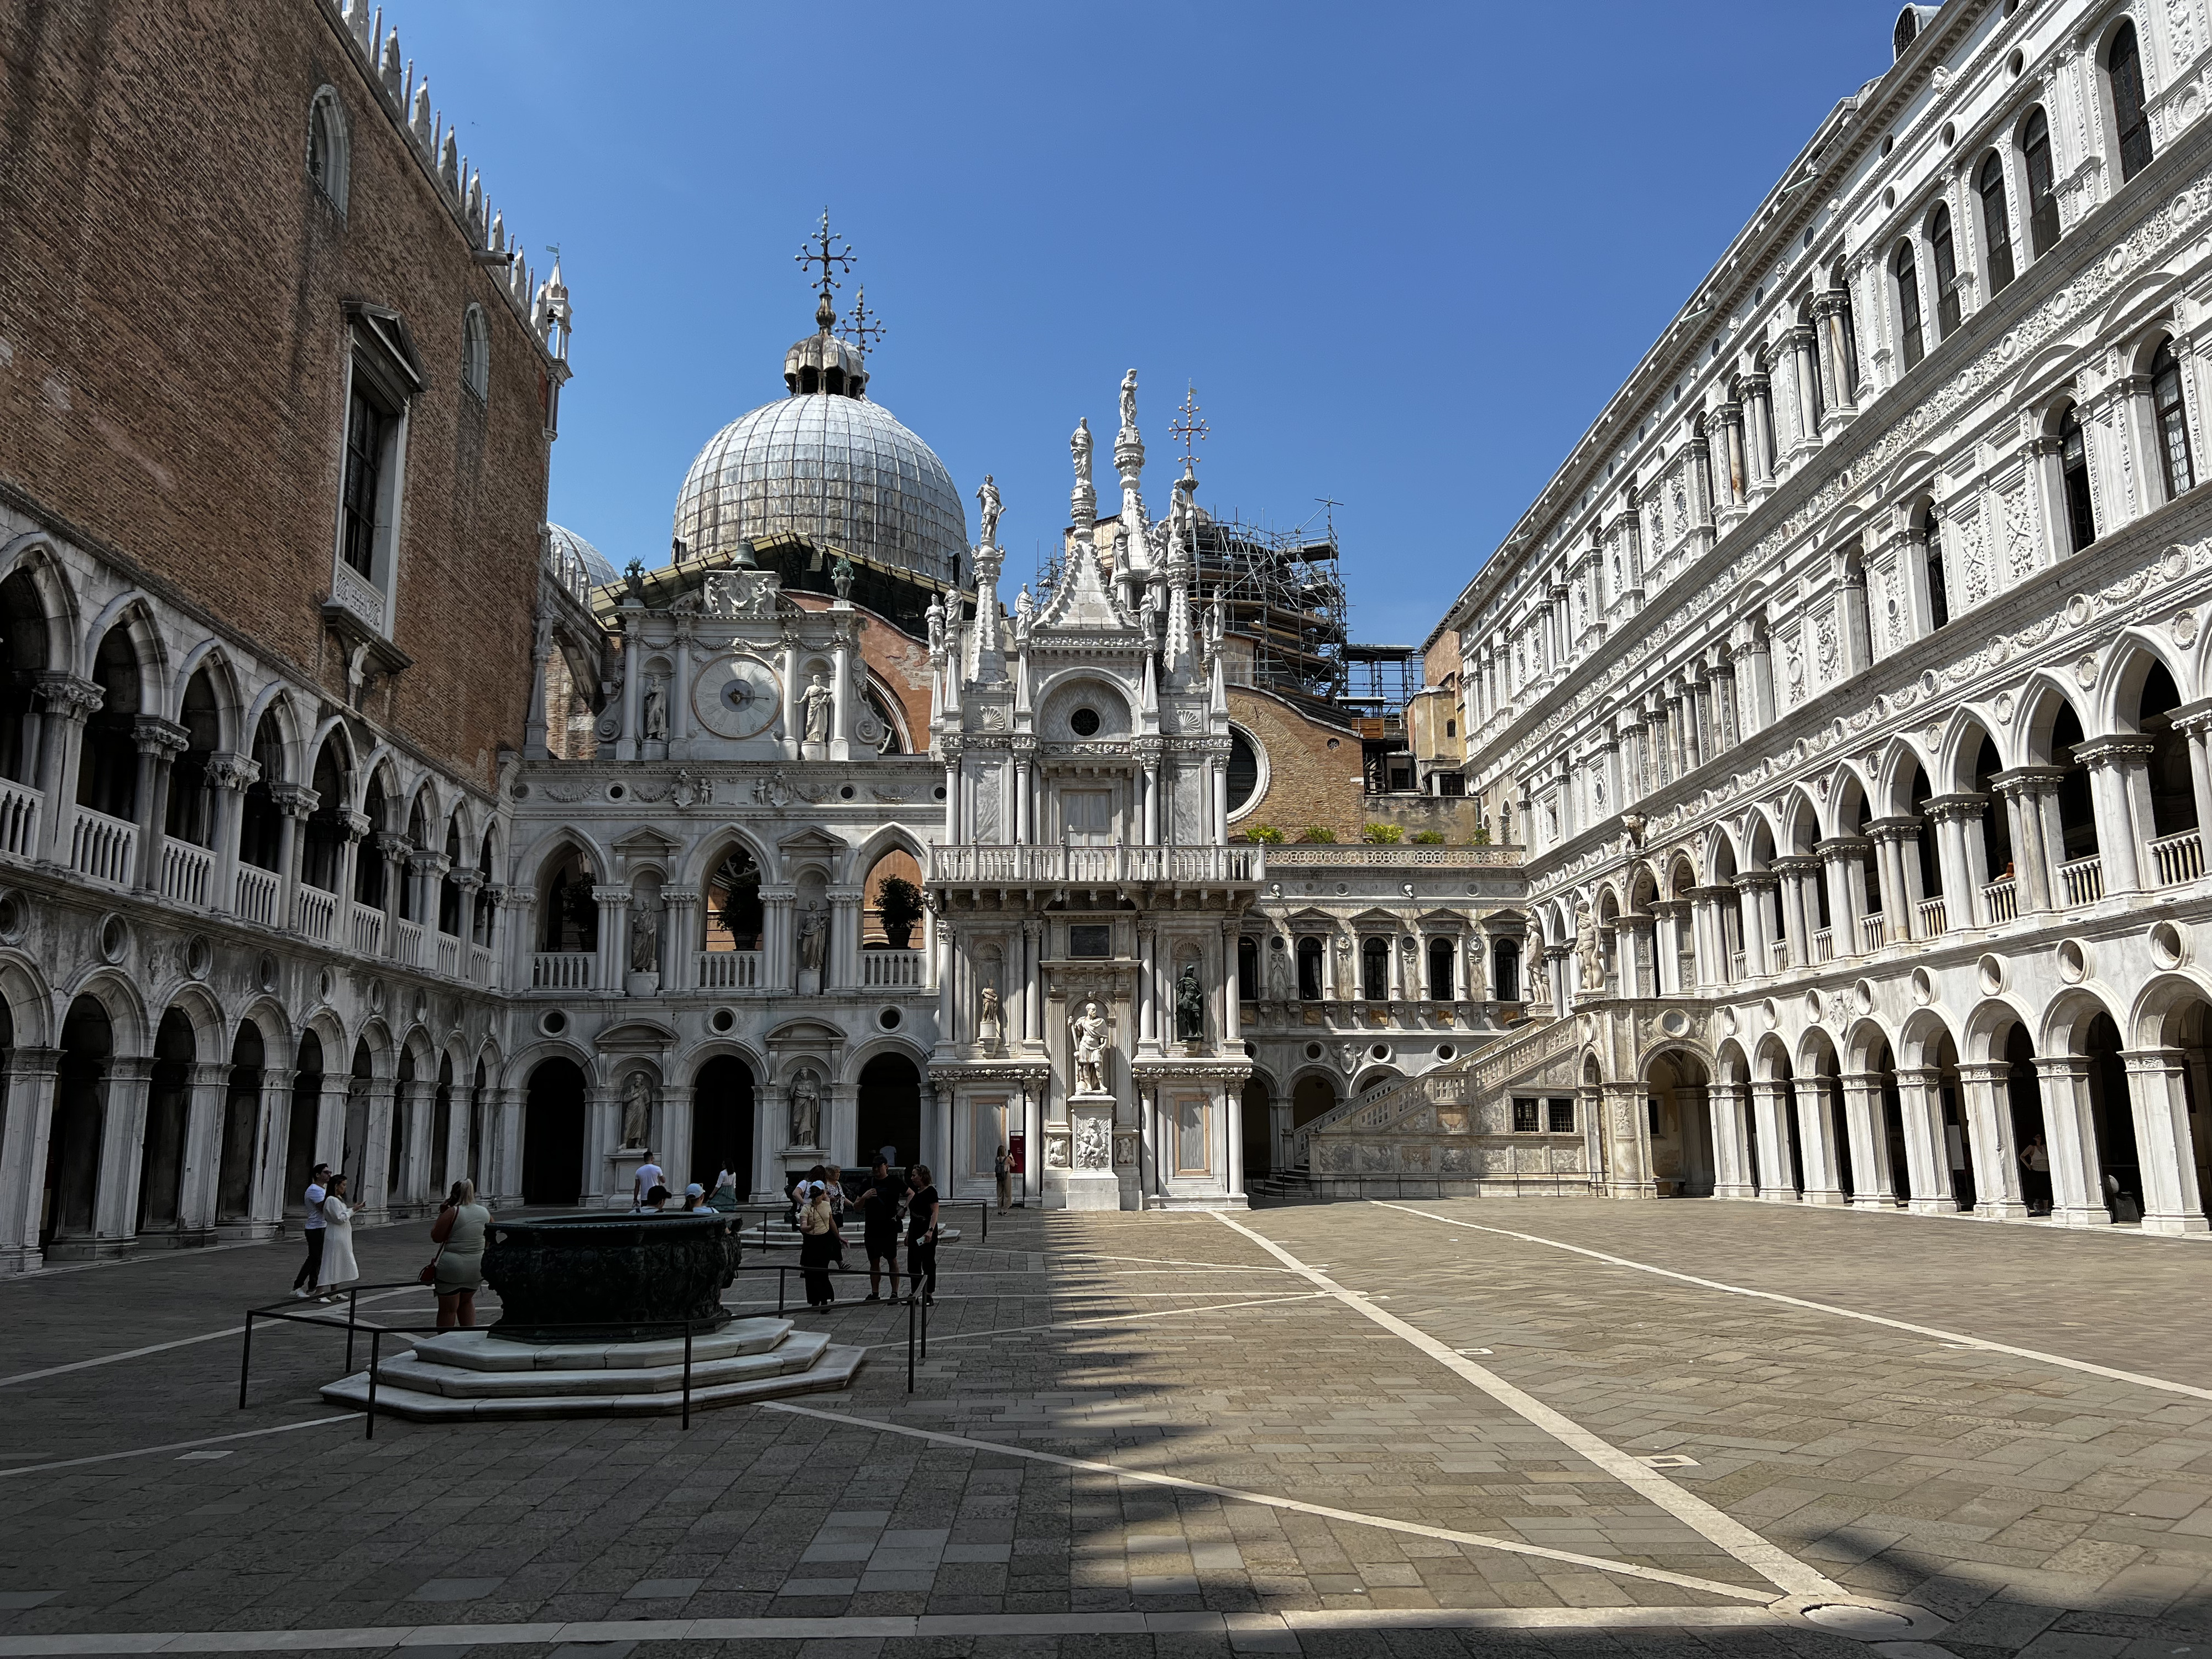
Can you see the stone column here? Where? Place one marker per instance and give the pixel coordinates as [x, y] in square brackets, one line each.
[1799, 907]
[602, 1134]
[1997, 1190]
[1148, 1031]
[371, 1197]
[1754, 899]
[1872, 1179]
[1897, 853]
[611, 968]
[69, 702]
[840, 956]
[2022, 789]
[1627, 1143]
[1807, 376]
[1770, 1103]
[1846, 880]
[29, 1102]
[1816, 1140]
[122, 1144]
[272, 1139]
[2069, 1130]
[2194, 720]
[1735, 476]
[2172, 1200]
[1757, 391]
[1732, 1175]
[1959, 855]
[507, 1155]
[1927, 1156]
[330, 1115]
[2119, 779]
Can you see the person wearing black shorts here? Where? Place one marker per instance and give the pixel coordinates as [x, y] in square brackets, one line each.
[921, 1238]
[880, 1211]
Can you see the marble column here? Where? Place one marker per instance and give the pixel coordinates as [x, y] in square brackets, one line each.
[29, 1104]
[1927, 1153]
[2070, 1131]
[1732, 1173]
[1998, 1193]
[1816, 1140]
[2173, 1202]
[122, 1143]
[1873, 1181]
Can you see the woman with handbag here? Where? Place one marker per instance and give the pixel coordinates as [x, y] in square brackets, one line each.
[457, 1270]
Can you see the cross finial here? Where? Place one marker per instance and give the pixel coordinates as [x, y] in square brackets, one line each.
[1189, 429]
[827, 249]
[862, 324]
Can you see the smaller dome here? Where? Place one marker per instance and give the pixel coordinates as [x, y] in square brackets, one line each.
[823, 362]
[567, 546]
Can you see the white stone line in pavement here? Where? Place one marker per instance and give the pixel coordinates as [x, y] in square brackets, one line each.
[1238, 1494]
[182, 1445]
[883, 1626]
[1777, 1565]
[1168, 1261]
[183, 1342]
[1110, 1319]
[1984, 1343]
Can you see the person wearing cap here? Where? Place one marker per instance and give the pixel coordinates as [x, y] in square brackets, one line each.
[695, 1197]
[817, 1245]
[309, 1279]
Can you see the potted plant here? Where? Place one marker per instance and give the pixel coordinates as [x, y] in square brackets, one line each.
[898, 902]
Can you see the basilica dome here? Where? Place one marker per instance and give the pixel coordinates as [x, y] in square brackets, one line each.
[825, 463]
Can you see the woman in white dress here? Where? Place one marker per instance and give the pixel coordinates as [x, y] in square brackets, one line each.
[339, 1269]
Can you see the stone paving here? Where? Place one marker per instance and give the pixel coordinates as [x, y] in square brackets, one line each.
[1321, 1481]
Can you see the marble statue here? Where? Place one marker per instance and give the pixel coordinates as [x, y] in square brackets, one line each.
[1091, 1148]
[935, 618]
[637, 1110]
[1024, 616]
[990, 1019]
[1079, 448]
[645, 943]
[1586, 948]
[814, 935]
[806, 1110]
[1129, 401]
[1092, 1045]
[841, 576]
[816, 701]
[1279, 968]
[1190, 1005]
[656, 710]
[987, 509]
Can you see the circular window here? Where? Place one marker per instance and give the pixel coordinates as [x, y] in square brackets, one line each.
[265, 974]
[845, 792]
[1083, 722]
[1889, 198]
[1991, 973]
[376, 997]
[1243, 779]
[1333, 743]
[1381, 1051]
[1923, 988]
[1313, 1051]
[1888, 142]
[1445, 1051]
[553, 1022]
[723, 1019]
[2015, 64]
[1812, 1005]
[326, 985]
[2073, 961]
[1950, 135]
[939, 792]
[199, 956]
[615, 791]
[15, 916]
[889, 1019]
[2168, 948]
[114, 938]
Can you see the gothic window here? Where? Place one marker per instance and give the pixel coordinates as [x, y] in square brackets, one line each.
[107, 770]
[2074, 466]
[733, 904]
[2042, 185]
[568, 911]
[1997, 223]
[2172, 422]
[260, 830]
[1910, 344]
[1442, 954]
[326, 146]
[1374, 969]
[1505, 970]
[1309, 969]
[476, 354]
[1945, 256]
[1939, 602]
[2124, 65]
[369, 426]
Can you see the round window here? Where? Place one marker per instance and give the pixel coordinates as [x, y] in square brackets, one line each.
[1313, 1051]
[723, 1019]
[889, 1019]
[1243, 771]
[1083, 722]
[553, 1023]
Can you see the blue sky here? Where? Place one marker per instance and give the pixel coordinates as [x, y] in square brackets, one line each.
[1403, 252]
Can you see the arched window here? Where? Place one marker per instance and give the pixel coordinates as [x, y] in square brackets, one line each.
[1505, 970]
[568, 910]
[107, 772]
[1309, 969]
[2074, 466]
[1996, 222]
[1442, 954]
[1938, 601]
[326, 146]
[1375, 969]
[2042, 185]
[1247, 968]
[476, 354]
[1945, 256]
[2172, 422]
[2124, 65]
[1910, 345]
[1244, 778]
[189, 813]
[733, 905]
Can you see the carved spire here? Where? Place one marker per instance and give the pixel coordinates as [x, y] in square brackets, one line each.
[1082, 503]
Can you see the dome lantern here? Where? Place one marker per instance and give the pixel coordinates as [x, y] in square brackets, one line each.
[824, 363]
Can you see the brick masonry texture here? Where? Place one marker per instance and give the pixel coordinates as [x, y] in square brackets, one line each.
[173, 345]
[1308, 782]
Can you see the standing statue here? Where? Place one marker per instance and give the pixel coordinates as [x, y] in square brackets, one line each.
[637, 1110]
[645, 944]
[1279, 968]
[1091, 1152]
[1091, 1044]
[987, 509]
[1191, 1006]
[841, 576]
[806, 1110]
[1148, 615]
[656, 710]
[990, 1019]
[812, 936]
[816, 701]
[934, 617]
[1078, 446]
[1129, 401]
[1025, 618]
[1586, 948]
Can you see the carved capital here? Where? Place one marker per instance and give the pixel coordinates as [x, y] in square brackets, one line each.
[294, 800]
[228, 771]
[67, 696]
[355, 824]
[155, 736]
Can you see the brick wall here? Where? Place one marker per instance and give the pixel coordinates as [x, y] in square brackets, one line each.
[173, 348]
[897, 659]
[1309, 782]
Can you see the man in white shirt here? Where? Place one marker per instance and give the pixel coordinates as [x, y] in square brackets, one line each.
[649, 1176]
[309, 1282]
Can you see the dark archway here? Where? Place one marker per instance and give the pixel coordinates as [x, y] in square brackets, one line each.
[1678, 1118]
[242, 1118]
[890, 1110]
[441, 1128]
[1259, 1127]
[168, 1112]
[553, 1134]
[72, 1177]
[722, 1122]
[306, 1117]
[355, 1145]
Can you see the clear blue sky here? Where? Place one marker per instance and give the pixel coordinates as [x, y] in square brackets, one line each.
[1404, 253]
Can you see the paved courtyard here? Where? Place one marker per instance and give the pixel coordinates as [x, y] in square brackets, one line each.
[1538, 1427]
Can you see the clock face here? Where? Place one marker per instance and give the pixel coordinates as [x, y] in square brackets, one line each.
[737, 697]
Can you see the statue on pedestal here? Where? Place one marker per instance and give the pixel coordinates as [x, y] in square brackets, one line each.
[812, 936]
[645, 942]
[656, 710]
[817, 702]
[637, 1110]
[1091, 1045]
[990, 1019]
[987, 509]
[1190, 1005]
[1586, 948]
[806, 1110]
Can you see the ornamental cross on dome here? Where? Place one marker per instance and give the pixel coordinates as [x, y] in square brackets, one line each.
[862, 326]
[827, 249]
[1189, 428]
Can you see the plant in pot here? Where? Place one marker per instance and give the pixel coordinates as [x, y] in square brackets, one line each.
[898, 902]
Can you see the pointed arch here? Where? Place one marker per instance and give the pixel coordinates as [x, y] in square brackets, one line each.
[34, 556]
[2116, 701]
[2041, 702]
[1958, 757]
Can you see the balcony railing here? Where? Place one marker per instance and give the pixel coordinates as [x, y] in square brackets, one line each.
[1736, 967]
[449, 956]
[101, 847]
[729, 970]
[1096, 866]
[893, 969]
[254, 892]
[2180, 858]
[185, 870]
[1824, 945]
[407, 942]
[561, 970]
[2003, 899]
[1933, 923]
[1874, 932]
[19, 819]
[367, 929]
[482, 965]
[2084, 880]
[318, 910]
[1780, 948]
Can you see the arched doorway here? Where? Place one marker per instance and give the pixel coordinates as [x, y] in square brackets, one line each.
[722, 1122]
[441, 1129]
[168, 1112]
[889, 1110]
[1678, 1116]
[72, 1177]
[1310, 1096]
[1259, 1127]
[359, 1080]
[553, 1134]
[305, 1114]
[242, 1118]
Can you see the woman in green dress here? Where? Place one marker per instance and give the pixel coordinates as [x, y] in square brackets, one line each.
[459, 1234]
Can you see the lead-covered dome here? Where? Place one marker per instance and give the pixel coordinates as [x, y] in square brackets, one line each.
[825, 464]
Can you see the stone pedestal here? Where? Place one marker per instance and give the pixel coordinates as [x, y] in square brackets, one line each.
[644, 985]
[1092, 1182]
[622, 1177]
[809, 982]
